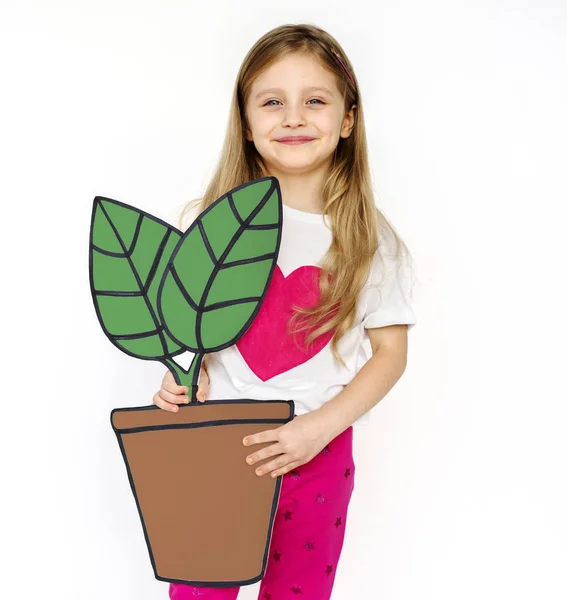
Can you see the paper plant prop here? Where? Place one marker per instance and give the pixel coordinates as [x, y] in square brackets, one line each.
[161, 294]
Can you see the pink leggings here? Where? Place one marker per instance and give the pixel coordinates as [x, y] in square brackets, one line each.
[308, 530]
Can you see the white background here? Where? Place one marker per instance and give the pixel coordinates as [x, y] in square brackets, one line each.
[461, 489]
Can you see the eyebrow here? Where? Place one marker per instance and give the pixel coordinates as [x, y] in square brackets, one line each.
[311, 88]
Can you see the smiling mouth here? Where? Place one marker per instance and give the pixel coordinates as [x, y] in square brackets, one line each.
[295, 142]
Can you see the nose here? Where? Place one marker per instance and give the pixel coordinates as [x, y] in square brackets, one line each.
[293, 116]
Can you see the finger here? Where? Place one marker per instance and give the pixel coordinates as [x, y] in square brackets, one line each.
[273, 465]
[169, 384]
[204, 364]
[204, 378]
[173, 398]
[270, 435]
[158, 401]
[286, 469]
[266, 452]
[203, 386]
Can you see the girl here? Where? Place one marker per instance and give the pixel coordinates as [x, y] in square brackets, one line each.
[297, 115]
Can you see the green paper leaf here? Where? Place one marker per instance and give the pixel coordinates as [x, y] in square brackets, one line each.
[218, 275]
[128, 253]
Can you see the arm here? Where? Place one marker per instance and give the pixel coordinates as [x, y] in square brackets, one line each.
[374, 380]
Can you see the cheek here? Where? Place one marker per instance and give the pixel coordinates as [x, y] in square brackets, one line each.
[328, 124]
[262, 127]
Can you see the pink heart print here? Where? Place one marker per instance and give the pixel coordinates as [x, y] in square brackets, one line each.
[266, 346]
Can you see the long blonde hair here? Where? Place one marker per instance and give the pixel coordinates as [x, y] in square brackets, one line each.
[355, 221]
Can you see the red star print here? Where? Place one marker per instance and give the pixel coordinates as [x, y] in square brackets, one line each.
[329, 569]
[267, 596]
[294, 474]
[321, 498]
[347, 473]
[325, 450]
[296, 589]
[338, 522]
[309, 546]
[277, 556]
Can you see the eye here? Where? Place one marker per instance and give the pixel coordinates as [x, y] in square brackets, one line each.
[274, 100]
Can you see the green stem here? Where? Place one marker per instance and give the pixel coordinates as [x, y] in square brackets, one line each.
[189, 378]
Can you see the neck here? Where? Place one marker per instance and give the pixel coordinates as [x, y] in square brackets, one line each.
[302, 191]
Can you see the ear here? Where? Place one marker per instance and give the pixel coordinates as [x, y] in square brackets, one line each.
[348, 122]
[247, 130]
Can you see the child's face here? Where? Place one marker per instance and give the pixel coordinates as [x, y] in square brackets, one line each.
[291, 110]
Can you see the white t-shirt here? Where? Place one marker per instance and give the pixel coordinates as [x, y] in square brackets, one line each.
[264, 364]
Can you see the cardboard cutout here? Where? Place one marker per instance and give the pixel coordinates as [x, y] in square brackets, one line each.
[161, 294]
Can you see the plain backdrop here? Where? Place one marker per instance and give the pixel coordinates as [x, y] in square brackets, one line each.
[460, 489]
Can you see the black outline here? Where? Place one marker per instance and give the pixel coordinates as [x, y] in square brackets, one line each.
[278, 480]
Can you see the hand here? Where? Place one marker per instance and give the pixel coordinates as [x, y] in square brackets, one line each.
[297, 442]
[171, 394]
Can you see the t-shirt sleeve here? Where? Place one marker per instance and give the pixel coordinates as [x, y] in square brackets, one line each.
[387, 295]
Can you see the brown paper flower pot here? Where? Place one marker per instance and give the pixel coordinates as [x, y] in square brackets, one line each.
[207, 517]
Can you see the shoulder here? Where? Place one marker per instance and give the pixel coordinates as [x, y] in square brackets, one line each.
[185, 214]
[389, 258]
